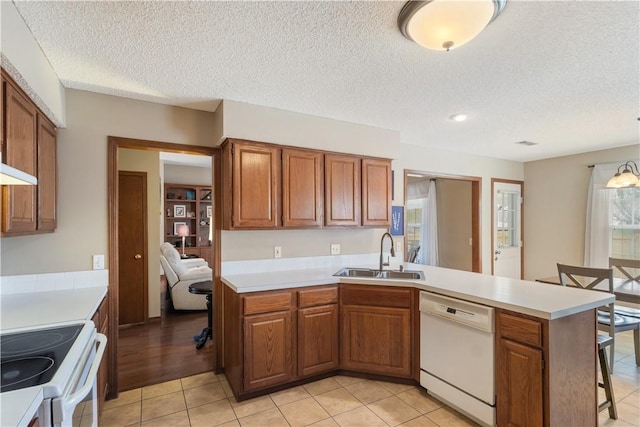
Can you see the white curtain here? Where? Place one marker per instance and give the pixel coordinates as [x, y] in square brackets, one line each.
[597, 238]
[429, 235]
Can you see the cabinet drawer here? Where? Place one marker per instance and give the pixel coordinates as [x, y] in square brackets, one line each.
[320, 296]
[526, 331]
[266, 303]
[376, 296]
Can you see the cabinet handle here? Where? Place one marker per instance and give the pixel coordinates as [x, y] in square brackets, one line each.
[137, 256]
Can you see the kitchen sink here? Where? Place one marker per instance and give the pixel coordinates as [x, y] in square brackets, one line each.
[377, 274]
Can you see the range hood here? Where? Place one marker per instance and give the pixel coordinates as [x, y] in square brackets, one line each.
[12, 176]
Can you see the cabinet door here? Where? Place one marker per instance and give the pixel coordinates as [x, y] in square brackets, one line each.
[19, 201]
[256, 183]
[342, 190]
[206, 253]
[376, 340]
[317, 339]
[302, 188]
[519, 385]
[376, 192]
[46, 175]
[268, 350]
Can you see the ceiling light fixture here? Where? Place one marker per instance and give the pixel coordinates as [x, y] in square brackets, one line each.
[458, 117]
[447, 24]
[627, 178]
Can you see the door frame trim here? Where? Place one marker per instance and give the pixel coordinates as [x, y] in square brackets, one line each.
[145, 232]
[508, 181]
[113, 143]
[476, 220]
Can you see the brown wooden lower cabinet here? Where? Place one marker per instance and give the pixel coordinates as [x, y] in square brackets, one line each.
[268, 349]
[318, 339]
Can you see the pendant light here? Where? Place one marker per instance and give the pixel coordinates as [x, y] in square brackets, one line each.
[447, 24]
[627, 178]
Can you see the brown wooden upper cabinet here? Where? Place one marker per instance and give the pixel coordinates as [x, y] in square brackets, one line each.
[376, 192]
[342, 190]
[29, 144]
[302, 188]
[253, 172]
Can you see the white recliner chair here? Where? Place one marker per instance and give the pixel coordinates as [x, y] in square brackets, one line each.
[181, 273]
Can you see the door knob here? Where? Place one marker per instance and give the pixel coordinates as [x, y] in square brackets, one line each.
[497, 252]
[137, 256]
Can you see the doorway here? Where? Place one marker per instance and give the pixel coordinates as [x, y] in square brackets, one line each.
[442, 228]
[506, 228]
[115, 264]
[132, 249]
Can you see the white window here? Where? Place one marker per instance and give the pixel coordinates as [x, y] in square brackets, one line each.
[625, 223]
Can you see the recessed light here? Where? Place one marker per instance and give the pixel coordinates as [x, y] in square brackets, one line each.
[527, 143]
[415, 175]
[458, 117]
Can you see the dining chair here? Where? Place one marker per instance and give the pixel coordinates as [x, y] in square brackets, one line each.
[589, 278]
[622, 264]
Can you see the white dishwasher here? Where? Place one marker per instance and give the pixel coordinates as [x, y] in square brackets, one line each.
[457, 355]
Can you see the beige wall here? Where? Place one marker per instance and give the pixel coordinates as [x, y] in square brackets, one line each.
[555, 202]
[454, 224]
[82, 176]
[149, 162]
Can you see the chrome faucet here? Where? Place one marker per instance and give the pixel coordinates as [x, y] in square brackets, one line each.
[393, 252]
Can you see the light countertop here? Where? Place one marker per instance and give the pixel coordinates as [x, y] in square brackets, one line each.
[29, 310]
[521, 296]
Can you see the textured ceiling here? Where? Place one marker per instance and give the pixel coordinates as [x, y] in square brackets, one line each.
[562, 74]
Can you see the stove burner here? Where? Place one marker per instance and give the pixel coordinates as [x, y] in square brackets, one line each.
[17, 371]
[21, 345]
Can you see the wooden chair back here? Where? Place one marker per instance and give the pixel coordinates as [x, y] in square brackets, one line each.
[585, 277]
[621, 264]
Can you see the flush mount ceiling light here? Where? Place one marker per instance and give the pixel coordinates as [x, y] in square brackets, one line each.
[447, 24]
[627, 178]
[458, 117]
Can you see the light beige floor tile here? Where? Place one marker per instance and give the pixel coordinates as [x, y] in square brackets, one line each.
[605, 421]
[303, 412]
[251, 406]
[368, 391]
[204, 394]
[212, 414]
[329, 422]
[160, 389]
[419, 400]
[628, 412]
[321, 386]
[225, 385]
[338, 401]
[198, 380]
[419, 422]
[344, 380]
[121, 415]
[233, 423]
[394, 387]
[393, 411]
[633, 399]
[124, 398]
[268, 418]
[359, 417]
[178, 419]
[446, 416]
[622, 386]
[289, 395]
[163, 405]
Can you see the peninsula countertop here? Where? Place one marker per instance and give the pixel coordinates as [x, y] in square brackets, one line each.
[521, 296]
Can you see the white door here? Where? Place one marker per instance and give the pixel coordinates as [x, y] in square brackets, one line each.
[507, 229]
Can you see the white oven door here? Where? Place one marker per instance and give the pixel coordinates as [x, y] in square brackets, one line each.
[79, 403]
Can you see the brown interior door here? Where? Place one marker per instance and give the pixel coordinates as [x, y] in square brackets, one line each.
[132, 242]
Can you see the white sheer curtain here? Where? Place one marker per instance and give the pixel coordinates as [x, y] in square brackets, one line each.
[429, 238]
[597, 237]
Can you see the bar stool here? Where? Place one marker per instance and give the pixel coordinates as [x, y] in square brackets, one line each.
[603, 342]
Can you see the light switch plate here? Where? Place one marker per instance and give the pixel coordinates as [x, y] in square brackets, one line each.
[98, 262]
[335, 249]
[277, 251]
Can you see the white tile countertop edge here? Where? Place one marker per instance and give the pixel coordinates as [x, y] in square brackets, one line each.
[25, 311]
[521, 296]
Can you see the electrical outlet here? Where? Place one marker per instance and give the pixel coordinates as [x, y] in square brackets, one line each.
[98, 262]
[398, 246]
[335, 249]
[277, 251]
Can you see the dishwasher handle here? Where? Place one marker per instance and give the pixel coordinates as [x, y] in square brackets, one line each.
[463, 312]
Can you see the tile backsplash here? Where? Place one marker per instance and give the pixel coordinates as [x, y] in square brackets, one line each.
[302, 263]
[28, 283]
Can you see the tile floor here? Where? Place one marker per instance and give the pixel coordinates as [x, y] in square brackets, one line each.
[206, 400]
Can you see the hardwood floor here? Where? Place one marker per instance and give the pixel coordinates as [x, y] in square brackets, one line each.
[162, 350]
